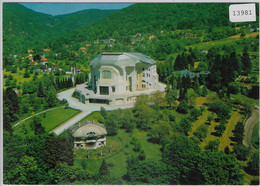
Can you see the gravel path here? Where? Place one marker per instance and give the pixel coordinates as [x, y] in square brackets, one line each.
[248, 129]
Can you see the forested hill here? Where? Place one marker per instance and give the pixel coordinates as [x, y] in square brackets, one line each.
[80, 19]
[24, 28]
[150, 18]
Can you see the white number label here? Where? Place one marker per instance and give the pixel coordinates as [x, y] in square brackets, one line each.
[242, 13]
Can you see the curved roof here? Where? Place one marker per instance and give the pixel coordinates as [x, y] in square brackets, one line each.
[121, 59]
[89, 130]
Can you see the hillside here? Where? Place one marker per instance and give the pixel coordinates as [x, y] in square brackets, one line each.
[80, 19]
[150, 18]
[24, 28]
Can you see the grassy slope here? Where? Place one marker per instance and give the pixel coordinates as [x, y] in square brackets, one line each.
[53, 119]
[230, 41]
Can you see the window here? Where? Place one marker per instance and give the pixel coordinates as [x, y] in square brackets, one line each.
[103, 90]
[106, 74]
[113, 89]
[143, 74]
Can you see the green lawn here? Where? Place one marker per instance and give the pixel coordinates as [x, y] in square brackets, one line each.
[243, 97]
[53, 119]
[255, 136]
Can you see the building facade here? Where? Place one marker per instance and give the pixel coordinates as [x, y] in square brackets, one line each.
[88, 135]
[118, 78]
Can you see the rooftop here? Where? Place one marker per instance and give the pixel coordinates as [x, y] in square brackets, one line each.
[87, 128]
[121, 59]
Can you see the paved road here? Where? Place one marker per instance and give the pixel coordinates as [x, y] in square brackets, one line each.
[36, 114]
[85, 108]
[248, 129]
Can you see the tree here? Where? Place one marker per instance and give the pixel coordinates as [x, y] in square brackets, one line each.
[241, 152]
[184, 126]
[201, 132]
[26, 74]
[111, 123]
[40, 91]
[220, 108]
[212, 145]
[245, 59]
[65, 174]
[171, 95]
[253, 164]
[238, 132]
[103, 170]
[195, 113]
[36, 125]
[58, 150]
[13, 151]
[157, 98]
[27, 172]
[191, 97]
[145, 115]
[11, 106]
[161, 131]
[219, 168]
[183, 107]
[148, 172]
[204, 91]
[184, 152]
[50, 98]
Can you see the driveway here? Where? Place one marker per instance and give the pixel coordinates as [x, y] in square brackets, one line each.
[248, 128]
[85, 108]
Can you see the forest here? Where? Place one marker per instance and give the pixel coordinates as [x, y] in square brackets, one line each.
[210, 66]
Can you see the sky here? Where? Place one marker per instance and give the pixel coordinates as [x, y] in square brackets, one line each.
[65, 8]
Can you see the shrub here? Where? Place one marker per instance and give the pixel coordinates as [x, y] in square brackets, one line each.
[183, 107]
[195, 113]
[201, 132]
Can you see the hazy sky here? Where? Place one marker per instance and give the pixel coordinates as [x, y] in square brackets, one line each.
[65, 8]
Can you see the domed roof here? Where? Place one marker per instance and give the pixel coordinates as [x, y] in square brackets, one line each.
[120, 59]
[88, 129]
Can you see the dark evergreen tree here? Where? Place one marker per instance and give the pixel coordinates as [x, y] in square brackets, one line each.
[103, 170]
[245, 59]
[40, 91]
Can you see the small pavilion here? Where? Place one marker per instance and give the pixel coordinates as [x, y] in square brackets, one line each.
[88, 135]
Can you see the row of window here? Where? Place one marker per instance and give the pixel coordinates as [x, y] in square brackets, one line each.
[106, 74]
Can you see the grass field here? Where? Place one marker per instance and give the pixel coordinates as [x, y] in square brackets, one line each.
[255, 136]
[243, 97]
[19, 75]
[53, 119]
[230, 41]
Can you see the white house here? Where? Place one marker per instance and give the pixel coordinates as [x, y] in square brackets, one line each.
[88, 135]
[118, 78]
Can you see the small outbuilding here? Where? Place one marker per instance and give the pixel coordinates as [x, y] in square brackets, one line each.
[88, 135]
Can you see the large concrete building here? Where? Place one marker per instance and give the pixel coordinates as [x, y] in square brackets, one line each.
[118, 78]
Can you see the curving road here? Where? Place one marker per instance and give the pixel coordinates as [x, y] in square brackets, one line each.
[248, 129]
[85, 108]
